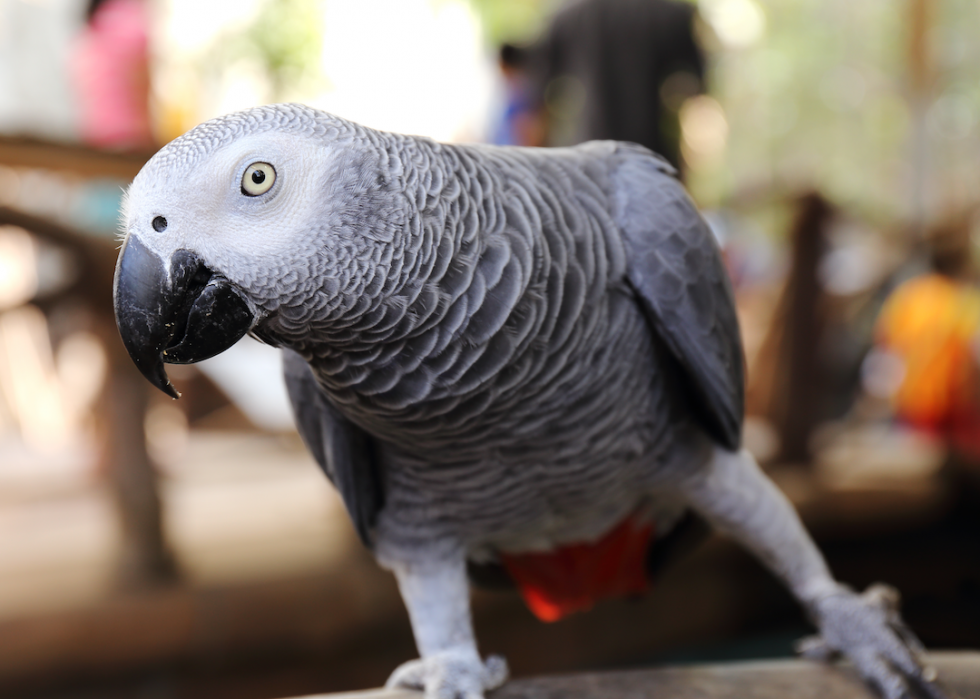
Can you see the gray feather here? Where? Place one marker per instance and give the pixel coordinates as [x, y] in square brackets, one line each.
[345, 453]
[675, 267]
[475, 315]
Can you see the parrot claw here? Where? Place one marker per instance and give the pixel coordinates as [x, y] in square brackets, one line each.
[868, 630]
[815, 648]
[451, 674]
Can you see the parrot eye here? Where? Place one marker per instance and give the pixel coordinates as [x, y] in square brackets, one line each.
[258, 179]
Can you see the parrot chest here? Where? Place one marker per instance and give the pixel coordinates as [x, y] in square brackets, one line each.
[562, 457]
[528, 403]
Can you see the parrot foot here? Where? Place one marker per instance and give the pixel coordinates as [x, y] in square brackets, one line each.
[868, 630]
[451, 674]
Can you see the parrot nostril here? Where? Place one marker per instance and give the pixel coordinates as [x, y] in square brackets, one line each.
[159, 224]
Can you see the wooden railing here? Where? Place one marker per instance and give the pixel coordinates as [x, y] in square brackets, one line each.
[81, 160]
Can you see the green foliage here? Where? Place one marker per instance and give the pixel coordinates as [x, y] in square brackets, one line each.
[822, 99]
[285, 40]
[512, 21]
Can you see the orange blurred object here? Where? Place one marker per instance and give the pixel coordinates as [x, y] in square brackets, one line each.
[932, 323]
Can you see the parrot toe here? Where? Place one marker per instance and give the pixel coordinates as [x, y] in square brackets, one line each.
[868, 630]
[452, 674]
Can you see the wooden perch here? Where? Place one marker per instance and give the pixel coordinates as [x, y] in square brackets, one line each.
[779, 679]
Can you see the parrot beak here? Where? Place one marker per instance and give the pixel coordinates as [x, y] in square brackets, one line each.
[179, 318]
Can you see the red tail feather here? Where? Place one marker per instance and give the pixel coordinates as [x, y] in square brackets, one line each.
[571, 579]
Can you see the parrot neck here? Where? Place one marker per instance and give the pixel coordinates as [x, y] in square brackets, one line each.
[434, 280]
[456, 275]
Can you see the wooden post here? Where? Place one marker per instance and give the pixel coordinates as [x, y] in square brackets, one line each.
[125, 464]
[796, 390]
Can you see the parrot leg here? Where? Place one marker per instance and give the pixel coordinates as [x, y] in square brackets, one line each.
[739, 500]
[436, 593]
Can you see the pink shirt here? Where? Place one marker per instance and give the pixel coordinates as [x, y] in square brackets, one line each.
[111, 72]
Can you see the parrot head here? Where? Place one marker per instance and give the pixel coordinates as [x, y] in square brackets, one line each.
[248, 223]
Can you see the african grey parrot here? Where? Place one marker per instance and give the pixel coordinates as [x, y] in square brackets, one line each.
[520, 357]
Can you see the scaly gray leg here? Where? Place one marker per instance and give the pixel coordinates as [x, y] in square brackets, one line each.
[436, 593]
[740, 501]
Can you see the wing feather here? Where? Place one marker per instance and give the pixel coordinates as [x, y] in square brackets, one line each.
[676, 271]
[345, 452]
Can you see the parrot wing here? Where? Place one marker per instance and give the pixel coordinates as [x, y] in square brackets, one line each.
[345, 453]
[676, 271]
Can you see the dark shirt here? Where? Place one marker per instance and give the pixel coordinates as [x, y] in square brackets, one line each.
[609, 61]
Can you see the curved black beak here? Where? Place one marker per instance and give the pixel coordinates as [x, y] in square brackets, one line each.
[186, 317]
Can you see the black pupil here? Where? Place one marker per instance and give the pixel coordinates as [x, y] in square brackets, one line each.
[159, 224]
[258, 177]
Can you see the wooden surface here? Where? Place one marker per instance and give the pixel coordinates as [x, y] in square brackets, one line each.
[69, 157]
[783, 679]
[279, 598]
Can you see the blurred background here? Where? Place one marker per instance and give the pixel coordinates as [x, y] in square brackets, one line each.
[151, 548]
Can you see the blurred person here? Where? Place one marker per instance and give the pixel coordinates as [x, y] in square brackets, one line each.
[619, 69]
[521, 123]
[110, 68]
[928, 332]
